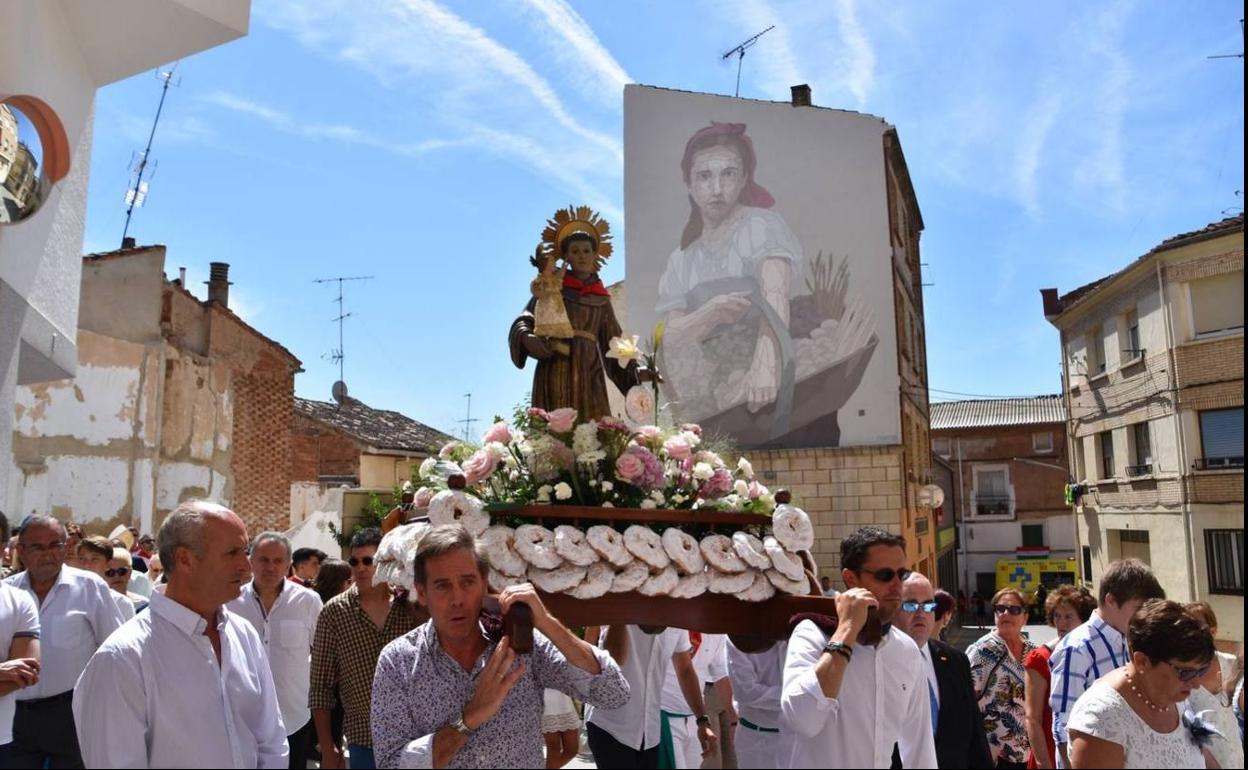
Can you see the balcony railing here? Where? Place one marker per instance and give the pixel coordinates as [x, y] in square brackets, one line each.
[992, 505]
[1146, 469]
[1216, 463]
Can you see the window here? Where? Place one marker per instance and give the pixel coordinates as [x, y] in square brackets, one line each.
[1133, 535]
[1141, 451]
[1081, 472]
[1087, 562]
[1133, 348]
[1107, 454]
[1218, 303]
[1222, 438]
[1042, 442]
[941, 446]
[1033, 535]
[1096, 352]
[992, 493]
[1224, 559]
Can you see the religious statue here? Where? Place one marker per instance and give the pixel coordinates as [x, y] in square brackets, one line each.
[572, 366]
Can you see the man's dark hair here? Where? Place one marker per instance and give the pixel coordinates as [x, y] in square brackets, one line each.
[1130, 579]
[854, 547]
[1165, 631]
[366, 537]
[4, 528]
[567, 242]
[303, 554]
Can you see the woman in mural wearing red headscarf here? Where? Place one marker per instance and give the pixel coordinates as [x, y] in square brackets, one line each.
[725, 293]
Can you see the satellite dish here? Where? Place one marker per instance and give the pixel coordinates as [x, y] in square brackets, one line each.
[931, 496]
[340, 391]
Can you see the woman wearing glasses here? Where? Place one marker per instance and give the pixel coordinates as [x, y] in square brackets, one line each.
[1135, 715]
[998, 675]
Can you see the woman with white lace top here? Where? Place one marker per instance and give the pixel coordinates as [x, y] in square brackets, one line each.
[1138, 716]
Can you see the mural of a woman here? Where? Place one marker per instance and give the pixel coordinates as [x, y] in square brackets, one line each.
[725, 293]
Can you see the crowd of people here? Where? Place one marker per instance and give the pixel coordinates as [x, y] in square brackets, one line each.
[204, 647]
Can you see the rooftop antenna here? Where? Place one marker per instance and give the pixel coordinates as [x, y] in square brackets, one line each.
[740, 52]
[139, 174]
[338, 356]
[468, 419]
[1239, 55]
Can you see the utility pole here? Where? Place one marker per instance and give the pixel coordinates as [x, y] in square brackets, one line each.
[137, 192]
[740, 52]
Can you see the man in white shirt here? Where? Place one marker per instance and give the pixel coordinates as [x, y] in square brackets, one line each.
[845, 702]
[284, 614]
[757, 678]
[628, 737]
[77, 612]
[19, 647]
[710, 664]
[187, 683]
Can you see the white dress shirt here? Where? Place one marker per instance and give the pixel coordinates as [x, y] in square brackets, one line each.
[287, 632]
[76, 616]
[156, 696]
[710, 661]
[636, 723]
[757, 680]
[124, 606]
[883, 700]
[19, 617]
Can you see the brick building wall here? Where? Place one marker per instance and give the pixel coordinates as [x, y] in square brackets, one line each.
[1039, 489]
[318, 450]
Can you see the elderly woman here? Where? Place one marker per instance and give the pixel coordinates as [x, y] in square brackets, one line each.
[117, 575]
[998, 675]
[1134, 716]
[1065, 608]
[1212, 699]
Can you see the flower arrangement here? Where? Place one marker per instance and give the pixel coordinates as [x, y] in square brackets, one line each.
[553, 458]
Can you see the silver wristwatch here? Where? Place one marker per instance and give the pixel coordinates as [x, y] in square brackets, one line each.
[460, 727]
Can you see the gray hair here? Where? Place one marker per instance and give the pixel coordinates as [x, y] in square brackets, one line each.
[184, 528]
[51, 522]
[271, 537]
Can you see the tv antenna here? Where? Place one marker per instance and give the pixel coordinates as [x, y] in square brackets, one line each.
[140, 176]
[1239, 55]
[339, 356]
[740, 52]
[468, 419]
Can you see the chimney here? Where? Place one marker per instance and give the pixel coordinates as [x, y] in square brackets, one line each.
[1052, 303]
[801, 95]
[127, 242]
[219, 283]
[182, 277]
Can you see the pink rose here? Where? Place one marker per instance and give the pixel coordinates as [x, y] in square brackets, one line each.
[447, 449]
[678, 447]
[612, 424]
[480, 466]
[757, 490]
[499, 432]
[562, 420]
[692, 427]
[639, 403]
[423, 496]
[717, 485]
[629, 467]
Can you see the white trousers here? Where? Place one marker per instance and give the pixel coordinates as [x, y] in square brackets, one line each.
[685, 743]
[756, 748]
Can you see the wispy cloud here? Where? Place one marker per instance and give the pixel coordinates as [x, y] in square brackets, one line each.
[575, 46]
[859, 60]
[1103, 168]
[1037, 123]
[776, 63]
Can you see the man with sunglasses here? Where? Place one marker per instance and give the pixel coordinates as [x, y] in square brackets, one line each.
[1098, 646]
[957, 724]
[77, 612]
[848, 699]
[351, 632]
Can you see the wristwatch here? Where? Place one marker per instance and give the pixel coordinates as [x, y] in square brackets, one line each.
[839, 648]
[460, 727]
[702, 720]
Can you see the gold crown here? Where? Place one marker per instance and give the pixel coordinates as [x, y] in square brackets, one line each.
[577, 219]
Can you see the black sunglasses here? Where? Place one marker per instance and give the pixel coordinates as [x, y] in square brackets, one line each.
[910, 605]
[367, 561]
[1189, 674]
[1012, 609]
[117, 572]
[887, 574]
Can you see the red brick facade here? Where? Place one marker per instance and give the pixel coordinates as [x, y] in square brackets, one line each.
[318, 450]
[1038, 478]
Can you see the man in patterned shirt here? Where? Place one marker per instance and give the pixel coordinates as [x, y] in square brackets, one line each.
[351, 631]
[1099, 646]
[453, 693]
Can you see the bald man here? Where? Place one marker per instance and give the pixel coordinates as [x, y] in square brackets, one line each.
[186, 683]
[957, 723]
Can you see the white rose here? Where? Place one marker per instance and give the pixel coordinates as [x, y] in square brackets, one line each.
[657, 496]
[593, 482]
[648, 505]
[703, 471]
[741, 488]
[745, 468]
[678, 498]
[563, 491]
[607, 505]
[607, 486]
[427, 467]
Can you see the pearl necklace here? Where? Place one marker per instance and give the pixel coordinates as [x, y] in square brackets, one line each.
[1136, 690]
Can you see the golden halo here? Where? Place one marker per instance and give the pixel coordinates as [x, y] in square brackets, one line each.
[577, 219]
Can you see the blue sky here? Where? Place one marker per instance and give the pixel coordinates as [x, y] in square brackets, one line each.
[425, 143]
